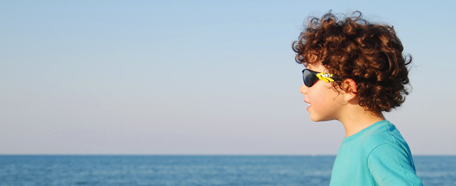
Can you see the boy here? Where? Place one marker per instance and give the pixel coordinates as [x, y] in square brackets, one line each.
[355, 70]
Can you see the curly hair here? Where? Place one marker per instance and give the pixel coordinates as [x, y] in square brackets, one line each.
[352, 48]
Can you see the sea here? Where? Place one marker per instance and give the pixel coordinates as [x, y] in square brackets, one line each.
[194, 170]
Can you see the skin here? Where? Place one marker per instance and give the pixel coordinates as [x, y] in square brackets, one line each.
[326, 103]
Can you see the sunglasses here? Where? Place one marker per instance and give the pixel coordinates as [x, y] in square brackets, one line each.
[311, 77]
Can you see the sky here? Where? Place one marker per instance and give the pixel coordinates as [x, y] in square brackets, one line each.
[199, 77]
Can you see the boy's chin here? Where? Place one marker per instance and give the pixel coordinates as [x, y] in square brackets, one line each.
[315, 119]
[318, 119]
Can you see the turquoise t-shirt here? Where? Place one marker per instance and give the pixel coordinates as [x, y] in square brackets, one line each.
[376, 155]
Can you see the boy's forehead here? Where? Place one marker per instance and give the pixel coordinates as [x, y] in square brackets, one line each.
[316, 67]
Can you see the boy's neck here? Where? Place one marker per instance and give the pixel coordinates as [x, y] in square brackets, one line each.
[356, 121]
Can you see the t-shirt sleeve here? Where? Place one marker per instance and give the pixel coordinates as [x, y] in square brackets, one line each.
[389, 164]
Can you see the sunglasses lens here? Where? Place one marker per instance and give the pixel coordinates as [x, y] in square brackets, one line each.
[309, 78]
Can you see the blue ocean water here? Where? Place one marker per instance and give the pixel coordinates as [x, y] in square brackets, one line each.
[21, 170]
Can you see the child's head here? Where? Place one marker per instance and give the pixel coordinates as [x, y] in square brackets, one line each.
[352, 48]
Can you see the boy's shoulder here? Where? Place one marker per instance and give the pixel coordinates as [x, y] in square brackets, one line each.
[381, 133]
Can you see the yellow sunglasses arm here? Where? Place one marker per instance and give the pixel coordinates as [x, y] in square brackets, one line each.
[326, 77]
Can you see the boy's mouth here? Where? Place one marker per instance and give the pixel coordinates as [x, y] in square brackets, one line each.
[308, 103]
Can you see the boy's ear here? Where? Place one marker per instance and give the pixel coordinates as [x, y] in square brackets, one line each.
[350, 89]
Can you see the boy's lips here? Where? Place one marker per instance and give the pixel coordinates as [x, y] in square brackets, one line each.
[309, 105]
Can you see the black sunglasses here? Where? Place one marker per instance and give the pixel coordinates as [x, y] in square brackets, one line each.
[311, 77]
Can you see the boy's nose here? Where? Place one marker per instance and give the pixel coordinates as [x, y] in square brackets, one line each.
[303, 89]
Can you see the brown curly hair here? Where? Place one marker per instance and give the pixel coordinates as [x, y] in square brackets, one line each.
[351, 47]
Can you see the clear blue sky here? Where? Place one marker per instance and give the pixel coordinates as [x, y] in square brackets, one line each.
[198, 77]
